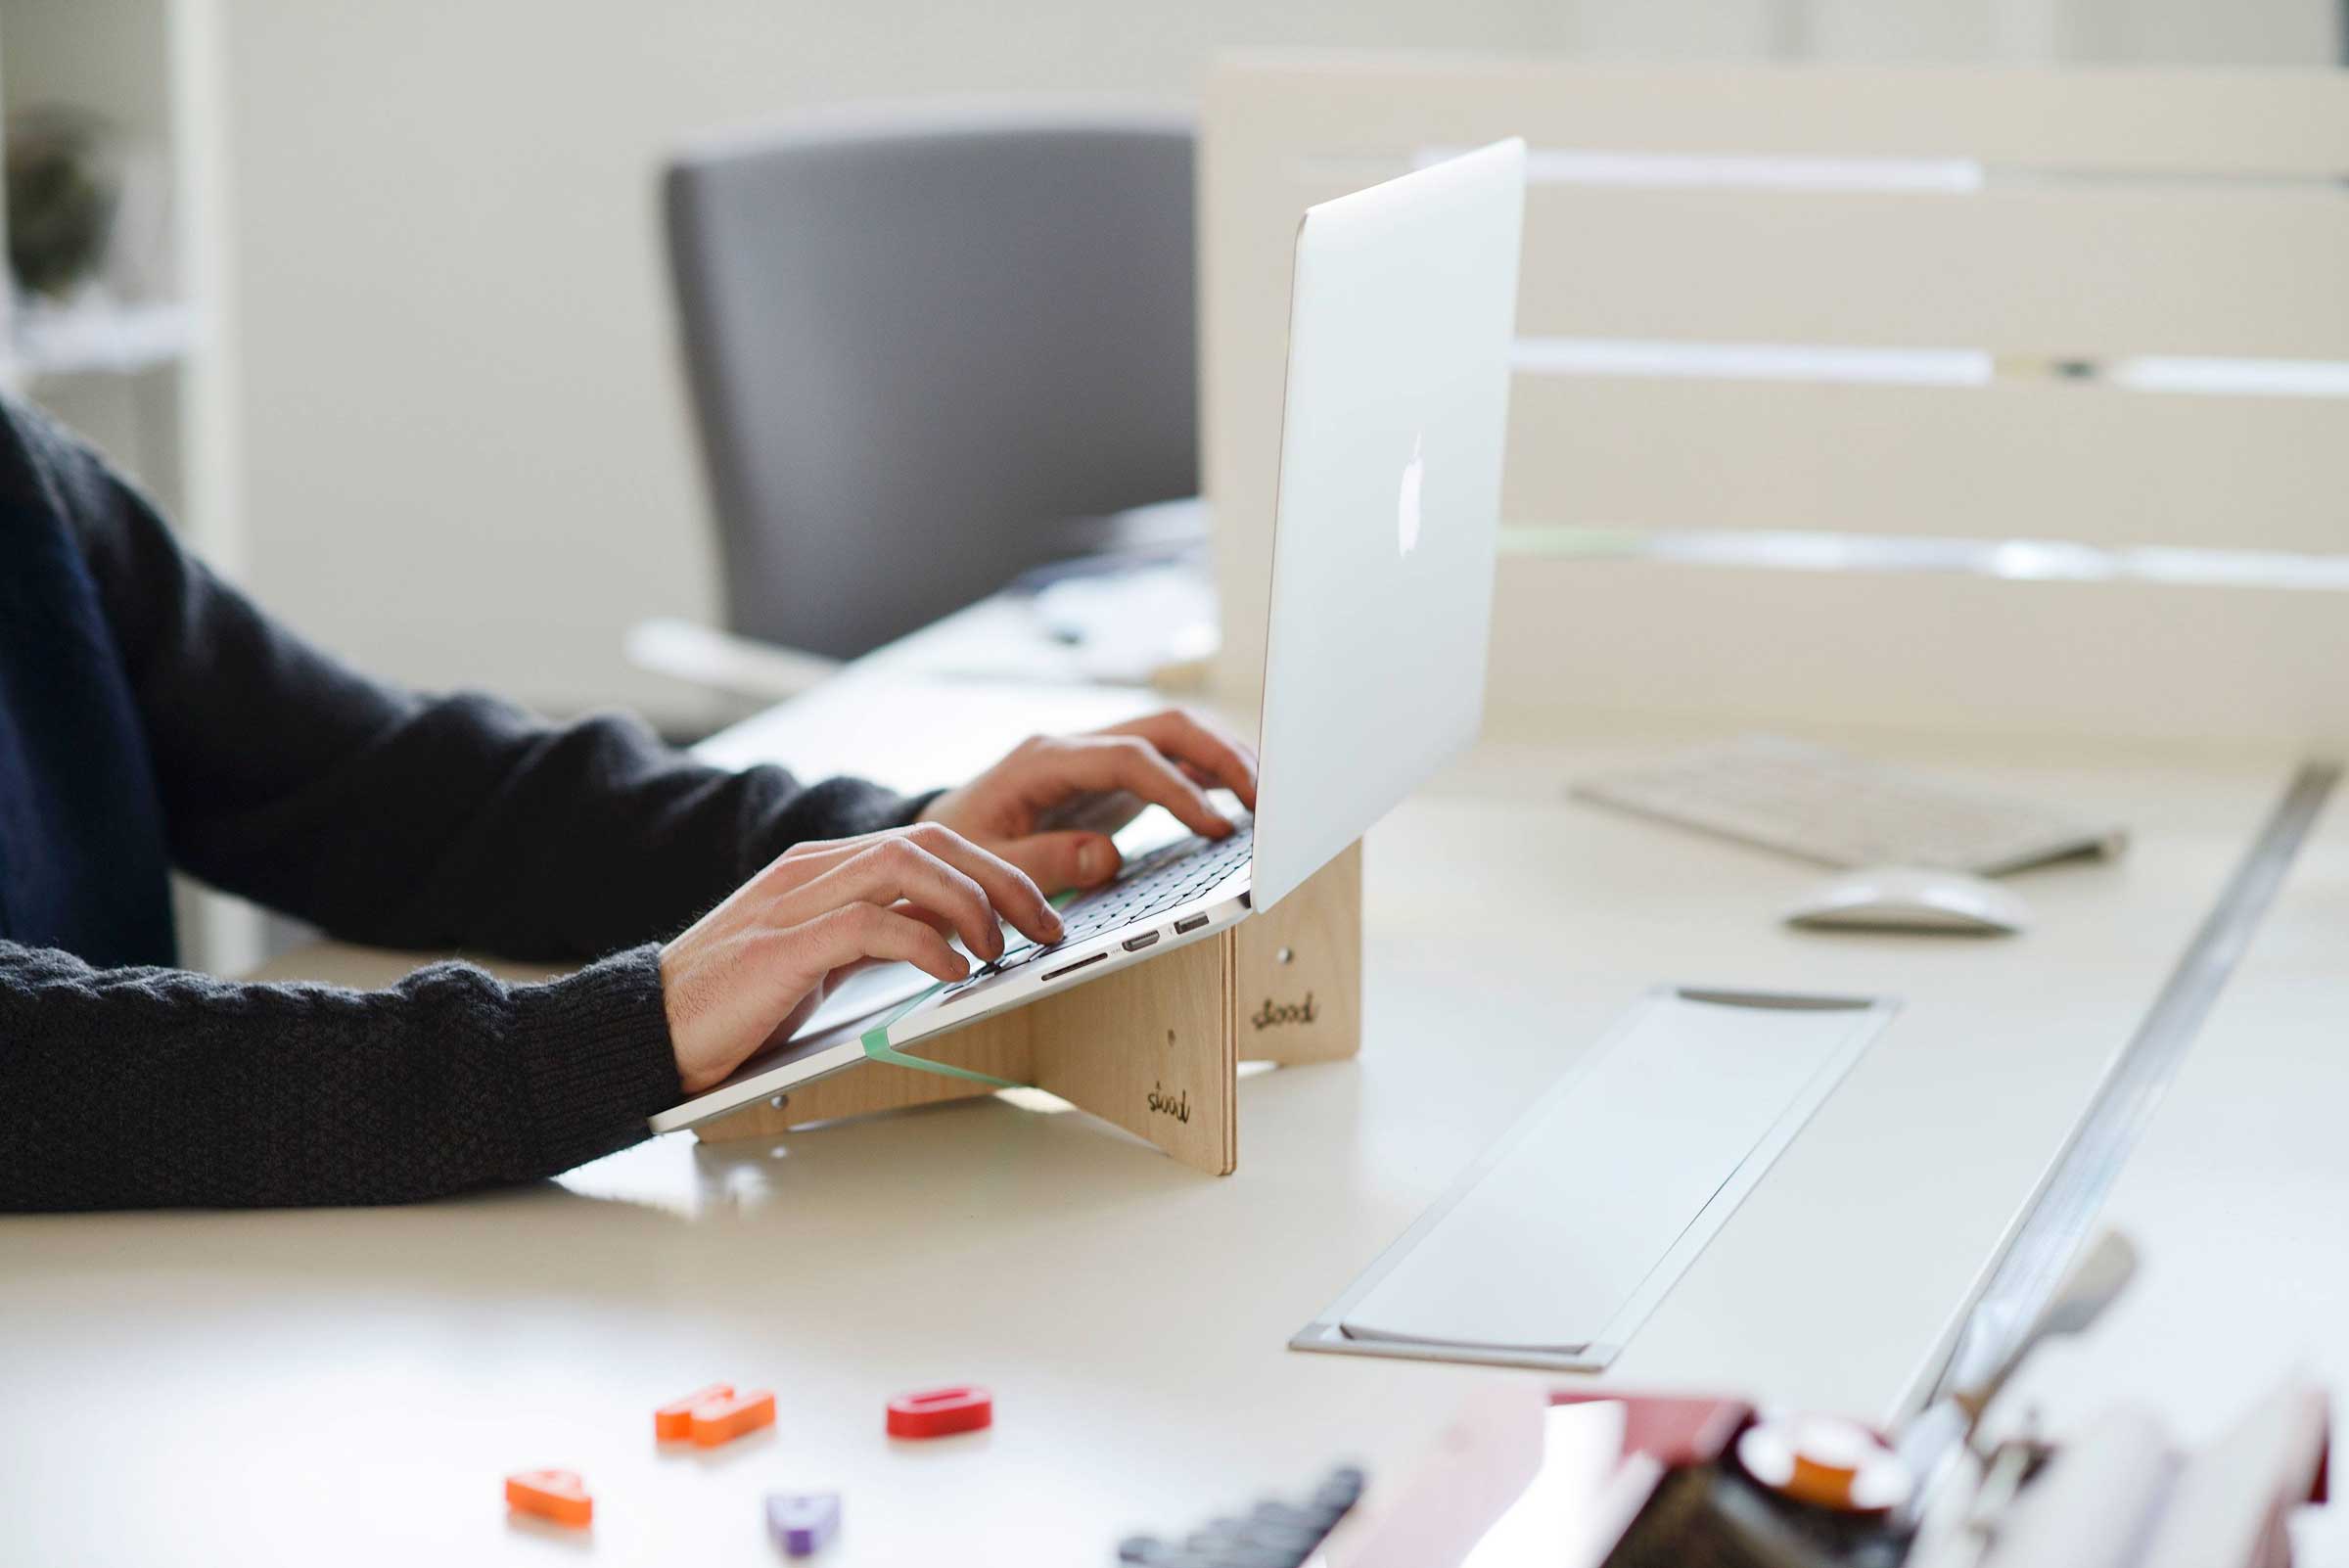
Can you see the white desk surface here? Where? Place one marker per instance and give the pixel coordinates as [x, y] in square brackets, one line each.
[353, 1384]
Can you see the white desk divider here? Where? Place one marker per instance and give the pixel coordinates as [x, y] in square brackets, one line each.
[1555, 1245]
[2061, 315]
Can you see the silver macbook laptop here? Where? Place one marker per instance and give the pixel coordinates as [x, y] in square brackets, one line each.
[1401, 316]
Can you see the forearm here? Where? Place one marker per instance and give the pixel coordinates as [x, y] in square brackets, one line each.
[471, 824]
[155, 1087]
[399, 819]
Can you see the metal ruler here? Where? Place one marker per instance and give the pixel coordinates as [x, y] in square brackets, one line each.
[2055, 1222]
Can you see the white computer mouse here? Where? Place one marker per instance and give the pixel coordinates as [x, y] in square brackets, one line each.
[1904, 898]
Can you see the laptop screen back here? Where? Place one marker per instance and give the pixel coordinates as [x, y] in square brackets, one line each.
[1401, 314]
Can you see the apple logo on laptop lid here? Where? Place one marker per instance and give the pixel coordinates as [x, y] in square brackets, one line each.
[1407, 505]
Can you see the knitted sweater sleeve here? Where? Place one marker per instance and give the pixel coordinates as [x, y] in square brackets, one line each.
[159, 1088]
[384, 817]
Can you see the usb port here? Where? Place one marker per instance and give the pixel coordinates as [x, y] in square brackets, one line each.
[1070, 969]
[1137, 944]
[1189, 923]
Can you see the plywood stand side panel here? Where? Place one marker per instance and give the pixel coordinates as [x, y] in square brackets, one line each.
[1150, 1051]
[1298, 971]
[1154, 1049]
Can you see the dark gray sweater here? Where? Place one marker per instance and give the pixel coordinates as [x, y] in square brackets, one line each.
[131, 677]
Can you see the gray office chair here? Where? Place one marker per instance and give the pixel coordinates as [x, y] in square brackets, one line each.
[928, 353]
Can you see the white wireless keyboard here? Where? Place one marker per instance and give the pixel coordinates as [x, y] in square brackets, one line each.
[1844, 810]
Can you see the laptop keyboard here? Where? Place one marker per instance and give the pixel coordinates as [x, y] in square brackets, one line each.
[1167, 878]
[1158, 882]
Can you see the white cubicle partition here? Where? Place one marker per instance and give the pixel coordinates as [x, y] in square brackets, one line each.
[1995, 401]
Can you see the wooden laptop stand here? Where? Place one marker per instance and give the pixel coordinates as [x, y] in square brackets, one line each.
[1155, 1049]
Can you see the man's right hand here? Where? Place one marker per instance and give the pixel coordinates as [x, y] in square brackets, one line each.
[753, 969]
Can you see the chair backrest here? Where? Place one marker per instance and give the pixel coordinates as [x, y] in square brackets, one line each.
[1971, 399]
[925, 346]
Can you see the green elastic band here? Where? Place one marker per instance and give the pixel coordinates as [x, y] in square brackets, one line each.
[878, 1048]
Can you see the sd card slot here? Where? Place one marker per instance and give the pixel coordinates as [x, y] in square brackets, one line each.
[1070, 969]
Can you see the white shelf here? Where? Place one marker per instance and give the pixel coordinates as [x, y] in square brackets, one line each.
[143, 365]
[99, 339]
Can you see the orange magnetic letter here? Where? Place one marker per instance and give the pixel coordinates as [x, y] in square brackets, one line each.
[722, 1420]
[556, 1494]
[674, 1422]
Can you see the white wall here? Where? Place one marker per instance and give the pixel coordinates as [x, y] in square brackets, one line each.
[466, 456]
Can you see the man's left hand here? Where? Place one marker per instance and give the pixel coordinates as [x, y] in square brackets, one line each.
[1169, 759]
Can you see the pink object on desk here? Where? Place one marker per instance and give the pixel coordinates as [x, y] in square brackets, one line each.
[940, 1413]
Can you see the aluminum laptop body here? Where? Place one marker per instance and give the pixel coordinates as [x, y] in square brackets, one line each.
[1400, 317]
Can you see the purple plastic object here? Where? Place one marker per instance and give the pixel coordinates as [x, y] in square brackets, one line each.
[802, 1521]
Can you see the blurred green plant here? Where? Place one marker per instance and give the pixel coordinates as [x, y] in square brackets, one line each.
[65, 186]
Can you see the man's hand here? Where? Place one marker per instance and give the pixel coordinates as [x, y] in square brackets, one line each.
[753, 968]
[1168, 759]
